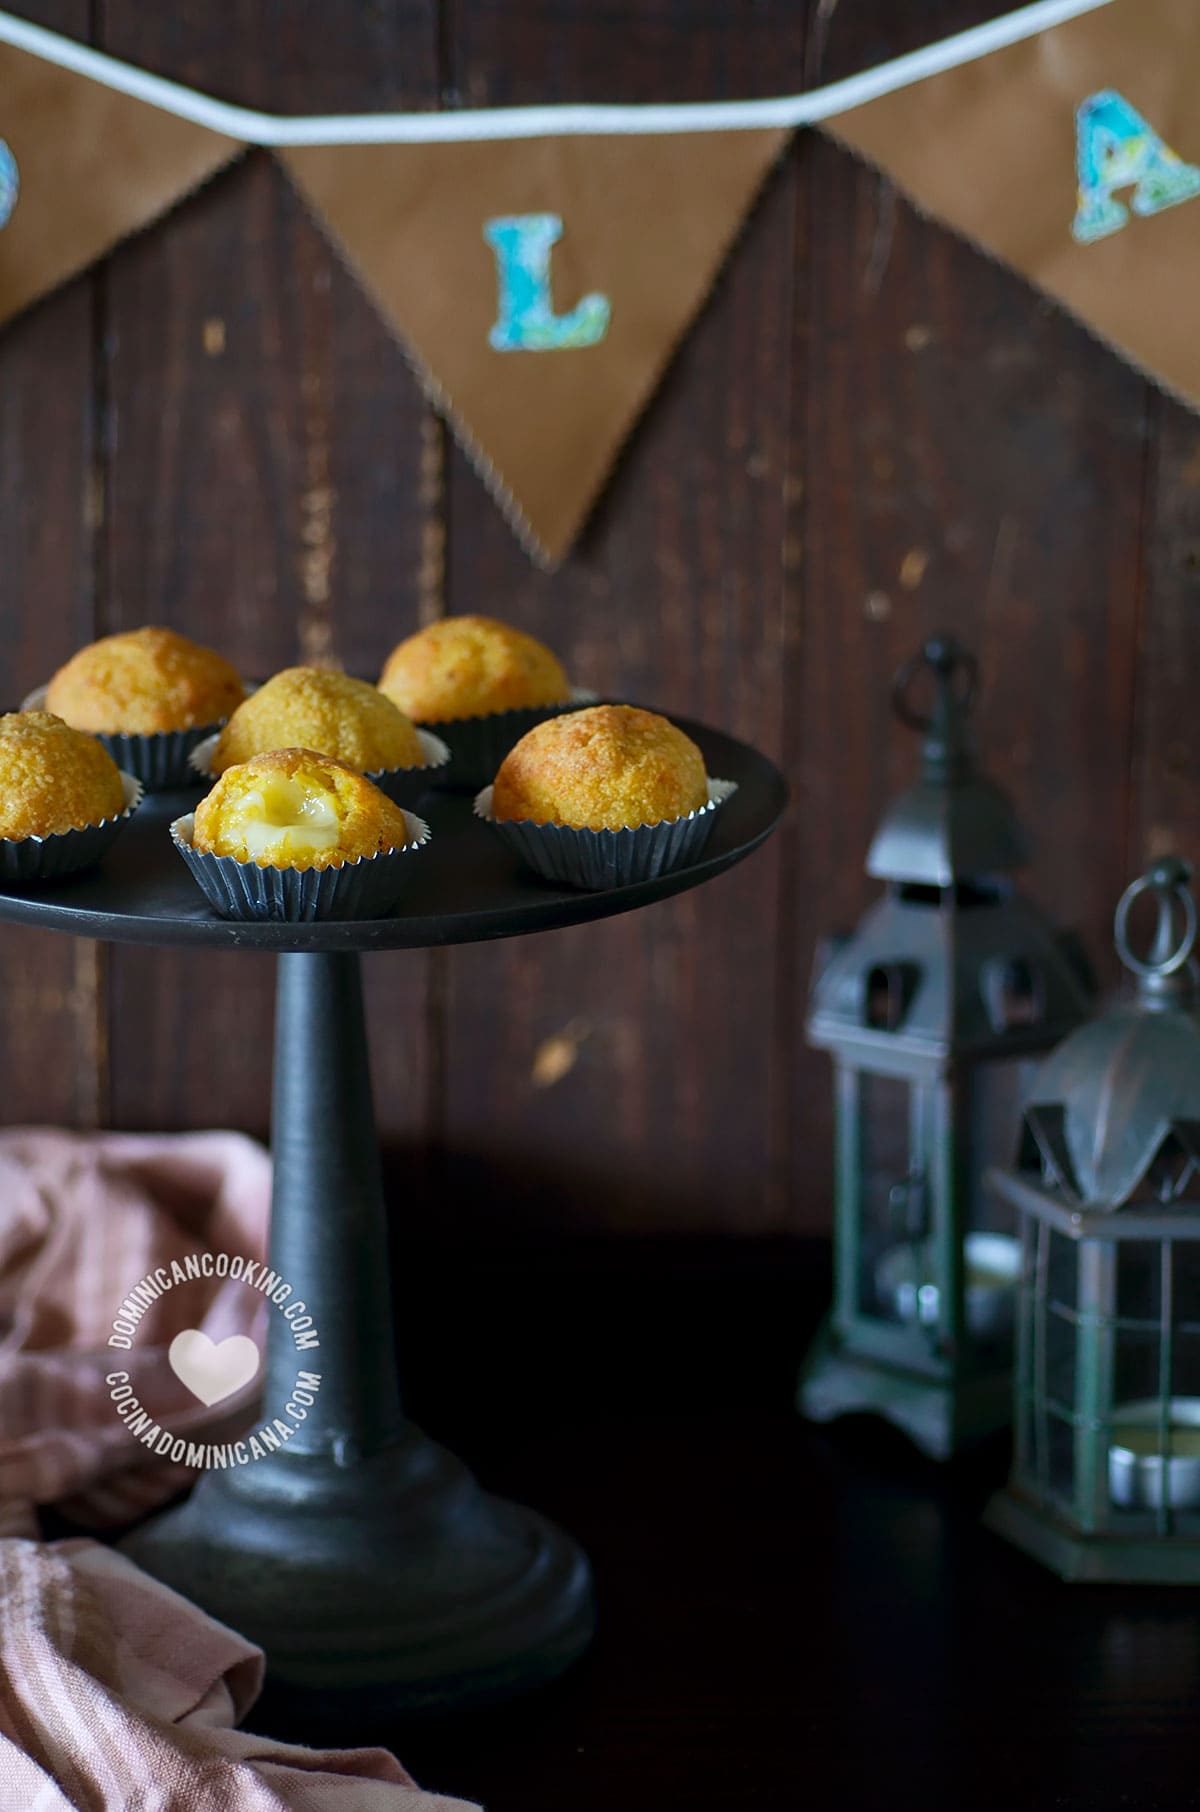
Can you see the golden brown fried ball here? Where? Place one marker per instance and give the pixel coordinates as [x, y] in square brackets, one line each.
[310, 708]
[605, 768]
[53, 778]
[294, 808]
[142, 682]
[470, 667]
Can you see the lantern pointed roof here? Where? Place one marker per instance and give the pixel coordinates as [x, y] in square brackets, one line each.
[953, 823]
[1115, 1110]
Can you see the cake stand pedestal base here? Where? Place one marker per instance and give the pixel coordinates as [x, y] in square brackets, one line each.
[397, 1580]
[362, 1557]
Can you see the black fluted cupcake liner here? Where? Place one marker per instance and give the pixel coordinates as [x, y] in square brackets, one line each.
[479, 744]
[161, 761]
[599, 859]
[366, 889]
[66, 852]
[403, 786]
[158, 761]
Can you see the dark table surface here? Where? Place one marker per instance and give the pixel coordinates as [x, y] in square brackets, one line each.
[790, 1616]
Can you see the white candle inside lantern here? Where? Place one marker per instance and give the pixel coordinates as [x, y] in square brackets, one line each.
[1135, 1456]
[991, 1264]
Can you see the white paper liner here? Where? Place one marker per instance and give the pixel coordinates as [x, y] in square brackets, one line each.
[403, 786]
[365, 889]
[479, 744]
[159, 760]
[66, 852]
[596, 860]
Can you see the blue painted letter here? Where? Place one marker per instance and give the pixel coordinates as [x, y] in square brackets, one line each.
[1116, 149]
[10, 183]
[526, 320]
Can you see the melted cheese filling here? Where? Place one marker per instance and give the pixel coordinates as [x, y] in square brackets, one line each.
[288, 817]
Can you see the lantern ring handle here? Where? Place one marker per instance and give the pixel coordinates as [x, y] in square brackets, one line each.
[946, 659]
[1168, 879]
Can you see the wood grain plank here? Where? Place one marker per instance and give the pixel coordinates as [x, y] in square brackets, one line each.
[972, 459]
[1164, 819]
[620, 1076]
[266, 490]
[51, 1053]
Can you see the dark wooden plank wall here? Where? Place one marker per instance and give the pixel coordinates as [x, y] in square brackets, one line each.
[871, 431]
[52, 1030]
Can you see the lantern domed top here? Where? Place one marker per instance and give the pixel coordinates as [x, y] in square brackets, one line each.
[954, 823]
[1115, 1110]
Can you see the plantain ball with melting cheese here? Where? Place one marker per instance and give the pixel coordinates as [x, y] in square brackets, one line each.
[294, 808]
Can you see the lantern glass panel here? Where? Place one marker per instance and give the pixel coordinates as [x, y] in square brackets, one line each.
[1061, 1455]
[1062, 1271]
[1185, 1366]
[1142, 1355]
[893, 1199]
[1153, 1459]
[1137, 1378]
[1023, 1376]
[1139, 1283]
[1047, 1369]
[1058, 1359]
[1185, 1285]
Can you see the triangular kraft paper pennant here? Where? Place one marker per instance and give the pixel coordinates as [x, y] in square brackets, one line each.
[81, 168]
[540, 286]
[1075, 158]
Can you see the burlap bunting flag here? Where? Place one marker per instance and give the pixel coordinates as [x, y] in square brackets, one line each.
[628, 234]
[88, 167]
[541, 284]
[1074, 157]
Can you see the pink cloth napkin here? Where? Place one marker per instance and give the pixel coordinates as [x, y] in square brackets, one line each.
[116, 1694]
[83, 1218]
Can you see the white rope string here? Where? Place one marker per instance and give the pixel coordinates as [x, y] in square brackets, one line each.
[536, 122]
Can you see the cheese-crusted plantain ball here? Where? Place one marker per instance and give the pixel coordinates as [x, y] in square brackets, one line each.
[52, 778]
[295, 808]
[143, 682]
[311, 708]
[470, 667]
[605, 768]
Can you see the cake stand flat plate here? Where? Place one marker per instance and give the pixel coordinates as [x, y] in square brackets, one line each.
[465, 887]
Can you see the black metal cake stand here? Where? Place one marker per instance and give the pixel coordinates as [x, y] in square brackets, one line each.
[363, 1557]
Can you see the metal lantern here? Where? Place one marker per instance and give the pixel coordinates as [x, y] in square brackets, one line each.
[1106, 1471]
[932, 1011]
